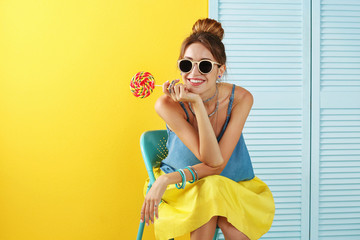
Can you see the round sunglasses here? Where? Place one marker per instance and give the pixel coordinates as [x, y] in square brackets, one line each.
[204, 66]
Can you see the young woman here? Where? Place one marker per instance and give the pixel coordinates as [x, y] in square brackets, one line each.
[204, 119]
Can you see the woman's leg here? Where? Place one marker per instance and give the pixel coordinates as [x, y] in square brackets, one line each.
[229, 231]
[206, 231]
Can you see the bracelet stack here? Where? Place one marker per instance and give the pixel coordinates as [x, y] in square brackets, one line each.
[194, 175]
[183, 183]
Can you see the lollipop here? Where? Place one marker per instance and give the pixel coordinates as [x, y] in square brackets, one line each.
[142, 84]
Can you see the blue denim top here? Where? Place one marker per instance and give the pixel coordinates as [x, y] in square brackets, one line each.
[238, 168]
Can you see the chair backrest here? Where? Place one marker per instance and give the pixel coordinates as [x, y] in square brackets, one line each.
[153, 150]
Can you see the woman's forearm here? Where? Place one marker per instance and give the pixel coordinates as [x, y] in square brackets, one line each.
[209, 149]
[201, 169]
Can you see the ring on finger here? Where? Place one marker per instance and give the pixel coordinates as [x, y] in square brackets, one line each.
[171, 85]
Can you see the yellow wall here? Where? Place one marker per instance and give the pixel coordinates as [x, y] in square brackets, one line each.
[70, 162]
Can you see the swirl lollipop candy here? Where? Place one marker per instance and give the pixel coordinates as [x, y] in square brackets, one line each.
[142, 84]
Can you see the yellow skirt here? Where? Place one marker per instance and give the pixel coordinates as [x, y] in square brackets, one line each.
[247, 205]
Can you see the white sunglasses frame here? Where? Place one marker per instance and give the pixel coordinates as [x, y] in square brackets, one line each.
[198, 63]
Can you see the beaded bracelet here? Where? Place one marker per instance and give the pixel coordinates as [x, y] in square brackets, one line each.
[192, 174]
[183, 177]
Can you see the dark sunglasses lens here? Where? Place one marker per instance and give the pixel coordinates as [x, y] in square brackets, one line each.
[185, 66]
[205, 66]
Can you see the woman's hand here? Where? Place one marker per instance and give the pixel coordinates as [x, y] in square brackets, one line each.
[179, 92]
[152, 200]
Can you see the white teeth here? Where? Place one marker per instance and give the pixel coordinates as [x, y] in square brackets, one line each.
[195, 81]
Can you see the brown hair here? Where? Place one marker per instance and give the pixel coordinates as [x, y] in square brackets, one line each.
[209, 33]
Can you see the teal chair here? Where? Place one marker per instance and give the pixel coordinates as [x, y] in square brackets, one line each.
[153, 149]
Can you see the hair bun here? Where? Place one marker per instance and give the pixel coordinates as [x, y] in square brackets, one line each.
[208, 25]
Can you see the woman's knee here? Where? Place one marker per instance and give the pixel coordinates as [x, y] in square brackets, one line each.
[214, 220]
[222, 222]
[229, 230]
[206, 231]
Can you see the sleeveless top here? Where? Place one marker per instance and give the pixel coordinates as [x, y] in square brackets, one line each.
[238, 168]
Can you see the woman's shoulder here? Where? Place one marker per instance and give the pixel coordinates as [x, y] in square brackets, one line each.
[240, 93]
[165, 105]
[162, 101]
[165, 102]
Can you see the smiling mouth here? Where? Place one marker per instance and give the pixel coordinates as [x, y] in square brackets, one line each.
[195, 82]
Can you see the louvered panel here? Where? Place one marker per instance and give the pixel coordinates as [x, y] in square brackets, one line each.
[340, 43]
[274, 139]
[264, 38]
[344, 164]
[335, 178]
[267, 51]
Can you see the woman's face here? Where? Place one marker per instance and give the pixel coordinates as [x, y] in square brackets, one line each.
[195, 81]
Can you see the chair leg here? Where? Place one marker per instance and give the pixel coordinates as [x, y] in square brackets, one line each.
[216, 233]
[142, 224]
[140, 231]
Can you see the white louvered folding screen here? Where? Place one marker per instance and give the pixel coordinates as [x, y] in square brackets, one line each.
[267, 44]
[268, 48]
[335, 158]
